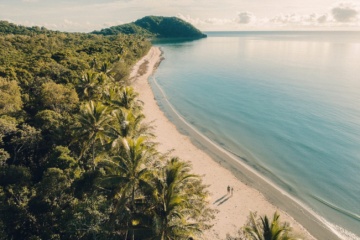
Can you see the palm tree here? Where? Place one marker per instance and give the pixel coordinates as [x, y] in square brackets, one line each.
[127, 124]
[93, 63]
[129, 175]
[174, 210]
[94, 119]
[264, 230]
[110, 93]
[89, 84]
[105, 68]
[122, 98]
[128, 99]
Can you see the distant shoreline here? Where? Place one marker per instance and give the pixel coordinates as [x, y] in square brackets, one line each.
[205, 157]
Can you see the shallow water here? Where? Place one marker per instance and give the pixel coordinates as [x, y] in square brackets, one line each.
[289, 102]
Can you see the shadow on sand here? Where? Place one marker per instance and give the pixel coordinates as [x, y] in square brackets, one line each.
[222, 199]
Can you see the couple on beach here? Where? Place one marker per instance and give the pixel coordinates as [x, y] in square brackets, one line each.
[230, 189]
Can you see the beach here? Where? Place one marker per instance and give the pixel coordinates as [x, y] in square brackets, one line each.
[219, 169]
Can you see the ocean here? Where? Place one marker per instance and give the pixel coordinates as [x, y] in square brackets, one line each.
[286, 102]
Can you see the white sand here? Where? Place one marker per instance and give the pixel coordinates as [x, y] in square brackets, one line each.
[233, 210]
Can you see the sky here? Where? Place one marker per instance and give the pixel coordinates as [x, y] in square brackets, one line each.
[207, 15]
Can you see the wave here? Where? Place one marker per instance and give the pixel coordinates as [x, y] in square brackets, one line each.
[333, 206]
[341, 232]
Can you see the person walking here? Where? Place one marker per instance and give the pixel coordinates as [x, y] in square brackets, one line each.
[228, 190]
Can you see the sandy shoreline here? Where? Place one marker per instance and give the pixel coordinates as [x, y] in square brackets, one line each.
[219, 169]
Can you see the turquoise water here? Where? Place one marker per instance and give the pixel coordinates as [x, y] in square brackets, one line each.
[289, 102]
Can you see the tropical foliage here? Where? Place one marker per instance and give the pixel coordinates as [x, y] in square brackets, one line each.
[260, 228]
[154, 26]
[76, 159]
[10, 28]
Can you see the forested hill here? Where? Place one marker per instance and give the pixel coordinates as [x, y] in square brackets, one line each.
[150, 26]
[10, 28]
[77, 159]
[154, 26]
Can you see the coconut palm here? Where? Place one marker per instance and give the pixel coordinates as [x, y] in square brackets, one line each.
[128, 99]
[129, 175]
[94, 121]
[90, 84]
[174, 209]
[105, 68]
[127, 124]
[110, 93]
[122, 97]
[264, 230]
[93, 63]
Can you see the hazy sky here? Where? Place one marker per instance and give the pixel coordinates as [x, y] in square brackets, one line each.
[88, 15]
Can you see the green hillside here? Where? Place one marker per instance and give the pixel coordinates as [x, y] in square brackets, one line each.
[154, 26]
[77, 159]
[10, 28]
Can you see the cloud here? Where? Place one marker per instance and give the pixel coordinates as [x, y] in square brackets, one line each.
[285, 19]
[193, 21]
[345, 12]
[69, 25]
[312, 19]
[242, 18]
[87, 15]
[322, 18]
[218, 21]
[245, 17]
[340, 15]
[207, 21]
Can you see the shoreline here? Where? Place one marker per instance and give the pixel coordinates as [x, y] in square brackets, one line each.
[219, 168]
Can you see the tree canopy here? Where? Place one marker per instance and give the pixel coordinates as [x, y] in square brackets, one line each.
[155, 26]
[10, 28]
[76, 159]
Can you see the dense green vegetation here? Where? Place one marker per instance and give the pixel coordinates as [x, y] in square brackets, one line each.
[260, 228]
[159, 27]
[10, 28]
[76, 159]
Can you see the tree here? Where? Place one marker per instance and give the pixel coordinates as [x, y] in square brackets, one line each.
[15, 193]
[125, 97]
[61, 158]
[10, 97]
[45, 191]
[180, 207]
[89, 219]
[88, 85]
[53, 203]
[55, 127]
[94, 121]
[129, 175]
[107, 70]
[7, 127]
[24, 144]
[127, 124]
[58, 97]
[262, 229]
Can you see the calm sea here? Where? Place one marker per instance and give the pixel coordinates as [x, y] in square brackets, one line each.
[289, 102]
